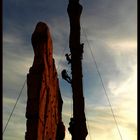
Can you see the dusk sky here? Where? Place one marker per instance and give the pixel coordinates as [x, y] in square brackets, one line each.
[109, 27]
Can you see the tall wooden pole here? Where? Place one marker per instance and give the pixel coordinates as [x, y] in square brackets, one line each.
[78, 122]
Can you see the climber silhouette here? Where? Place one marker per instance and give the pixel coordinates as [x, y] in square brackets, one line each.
[68, 58]
[65, 76]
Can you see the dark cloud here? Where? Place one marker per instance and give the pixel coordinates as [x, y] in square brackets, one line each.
[24, 12]
[111, 19]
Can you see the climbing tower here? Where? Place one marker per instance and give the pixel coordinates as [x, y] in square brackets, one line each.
[78, 128]
[44, 102]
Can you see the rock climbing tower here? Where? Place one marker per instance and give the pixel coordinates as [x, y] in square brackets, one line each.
[78, 128]
[44, 102]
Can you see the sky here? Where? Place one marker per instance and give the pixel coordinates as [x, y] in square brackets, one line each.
[109, 28]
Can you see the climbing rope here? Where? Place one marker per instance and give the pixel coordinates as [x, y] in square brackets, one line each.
[19, 95]
[105, 91]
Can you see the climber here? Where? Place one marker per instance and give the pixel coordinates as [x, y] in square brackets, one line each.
[68, 58]
[65, 76]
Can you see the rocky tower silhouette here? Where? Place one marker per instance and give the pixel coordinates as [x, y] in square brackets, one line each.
[78, 128]
[44, 102]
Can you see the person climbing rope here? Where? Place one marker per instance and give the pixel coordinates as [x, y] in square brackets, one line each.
[68, 58]
[65, 76]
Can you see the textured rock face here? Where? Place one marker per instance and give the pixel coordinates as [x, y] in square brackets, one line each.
[44, 103]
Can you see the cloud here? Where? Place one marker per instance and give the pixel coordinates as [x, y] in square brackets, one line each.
[124, 104]
[17, 118]
[100, 119]
[110, 19]
[15, 71]
[111, 30]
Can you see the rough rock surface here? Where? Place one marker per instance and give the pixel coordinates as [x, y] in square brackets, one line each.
[44, 102]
